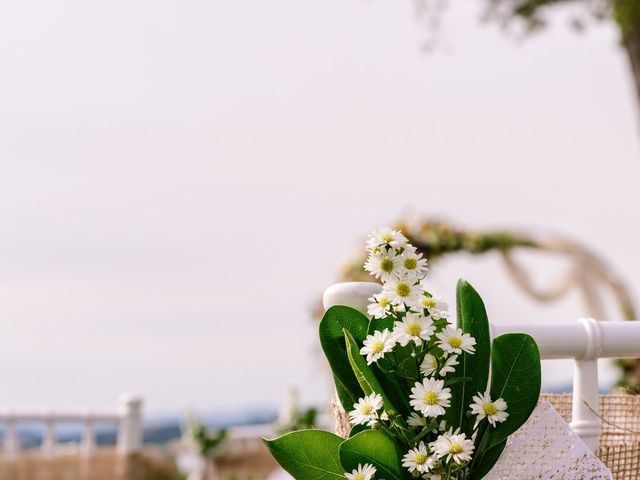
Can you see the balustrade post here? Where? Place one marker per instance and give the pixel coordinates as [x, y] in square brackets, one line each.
[88, 436]
[130, 433]
[49, 436]
[11, 440]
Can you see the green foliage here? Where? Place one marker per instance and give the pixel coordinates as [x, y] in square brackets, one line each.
[376, 448]
[308, 454]
[356, 429]
[627, 14]
[472, 319]
[332, 339]
[364, 373]
[515, 377]
[207, 441]
[486, 461]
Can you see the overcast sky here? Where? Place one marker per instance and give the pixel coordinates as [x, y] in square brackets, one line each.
[180, 180]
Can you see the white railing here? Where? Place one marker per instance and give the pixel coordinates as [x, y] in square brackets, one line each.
[584, 340]
[127, 417]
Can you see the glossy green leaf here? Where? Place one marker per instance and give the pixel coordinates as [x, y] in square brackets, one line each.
[488, 460]
[364, 373]
[377, 448]
[516, 378]
[379, 324]
[308, 454]
[398, 394]
[356, 429]
[345, 397]
[335, 320]
[472, 319]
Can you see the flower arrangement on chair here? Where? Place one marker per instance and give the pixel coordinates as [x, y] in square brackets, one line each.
[426, 398]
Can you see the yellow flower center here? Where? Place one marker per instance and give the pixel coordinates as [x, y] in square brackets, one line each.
[420, 458]
[366, 410]
[414, 330]
[430, 398]
[410, 263]
[429, 302]
[359, 476]
[387, 238]
[386, 265]
[383, 302]
[490, 409]
[403, 290]
[377, 347]
[455, 448]
[455, 342]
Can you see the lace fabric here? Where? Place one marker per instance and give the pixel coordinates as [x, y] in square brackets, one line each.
[545, 447]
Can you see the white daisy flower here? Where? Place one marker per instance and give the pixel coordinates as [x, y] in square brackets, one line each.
[453, 445]
[386, 236]
[384, 264]
[437, 307]
[402, 290]
[363, 472]
[415, 420]
[418, 459]
[376, 345]
[449, 365]
[413, 264]
[429, 365]
[494, 411]
[413, 328]
[365, 410]
[453, 340]
[380, 306]
[430, 397]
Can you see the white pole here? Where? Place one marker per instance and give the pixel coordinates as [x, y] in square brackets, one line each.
[584, 411]
[130, 433]
[88, 437]
[49, 437]
[11, 440]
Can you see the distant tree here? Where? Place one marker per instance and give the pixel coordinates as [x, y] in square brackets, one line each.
[533, 15]
[625, 13]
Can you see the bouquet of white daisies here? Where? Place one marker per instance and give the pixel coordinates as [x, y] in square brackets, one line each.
[425, 397]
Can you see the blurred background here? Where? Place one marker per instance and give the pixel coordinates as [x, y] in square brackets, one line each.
[180, 181]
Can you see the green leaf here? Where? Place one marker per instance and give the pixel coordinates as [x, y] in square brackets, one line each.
[308, 454]
[472, 319]
[364, 373]
[335, 320]
[345, 397]
[398, 394]
[377, 448]
[379, 324]
[488, 460]
[356, 429]
[516, 378]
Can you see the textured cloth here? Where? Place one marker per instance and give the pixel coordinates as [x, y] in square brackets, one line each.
[619, 447]
[545, 447]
